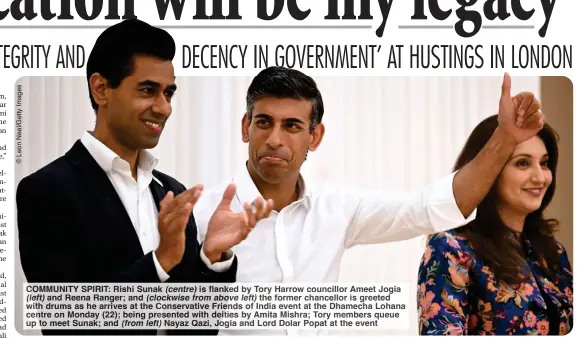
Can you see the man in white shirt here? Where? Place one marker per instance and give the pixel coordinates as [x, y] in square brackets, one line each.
[101, 212]
[305, 236]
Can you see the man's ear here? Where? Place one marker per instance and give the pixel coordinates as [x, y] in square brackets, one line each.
[317, 137]
[99, 89]
[245, 124]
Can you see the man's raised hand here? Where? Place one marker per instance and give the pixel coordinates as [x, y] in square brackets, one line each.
[228, 228]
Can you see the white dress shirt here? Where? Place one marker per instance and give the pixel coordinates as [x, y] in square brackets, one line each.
[306, 240]
[137, 198]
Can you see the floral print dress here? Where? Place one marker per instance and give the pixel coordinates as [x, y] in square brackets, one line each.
[459, 295]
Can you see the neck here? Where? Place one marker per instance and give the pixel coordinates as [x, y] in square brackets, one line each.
[512, 219]
[129, 155]
[282, 193]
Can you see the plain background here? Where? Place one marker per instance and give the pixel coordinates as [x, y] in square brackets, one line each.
[557, 102]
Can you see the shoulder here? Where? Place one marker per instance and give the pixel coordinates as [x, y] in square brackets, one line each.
[450, 246]
[55, 174]
[50, 188]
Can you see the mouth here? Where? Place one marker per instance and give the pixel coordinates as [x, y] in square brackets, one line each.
[273, 159]
[534, 191]
[155, 127]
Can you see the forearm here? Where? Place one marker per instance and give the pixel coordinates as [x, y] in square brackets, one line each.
[474, 180]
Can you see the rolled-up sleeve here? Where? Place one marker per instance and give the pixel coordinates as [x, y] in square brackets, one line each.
[380, 217]
[445, 213]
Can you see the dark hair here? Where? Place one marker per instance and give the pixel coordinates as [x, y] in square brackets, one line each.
[495, 243]
[112, 55]
[280, 82]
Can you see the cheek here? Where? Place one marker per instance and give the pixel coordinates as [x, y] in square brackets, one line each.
[256, 137]
[123, 105]
[300, 144]
[138, 105]
[134, 102]
[548, 177]
[510, 182]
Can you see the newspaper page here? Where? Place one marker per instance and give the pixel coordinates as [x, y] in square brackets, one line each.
[271, 167]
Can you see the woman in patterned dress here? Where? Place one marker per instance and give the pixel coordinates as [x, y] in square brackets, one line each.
[504, 273]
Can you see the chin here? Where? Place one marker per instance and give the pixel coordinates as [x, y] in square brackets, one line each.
[529, 208]
[269, 176]
[148, 146]
[271, 179]
[149, 143]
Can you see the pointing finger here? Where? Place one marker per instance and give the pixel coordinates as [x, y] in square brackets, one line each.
[506, 84]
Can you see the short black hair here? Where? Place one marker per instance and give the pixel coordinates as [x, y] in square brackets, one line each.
[112, 55]
[281, 82]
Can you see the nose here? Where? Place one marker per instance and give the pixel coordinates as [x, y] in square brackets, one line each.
[538, 175]
[275, 138]
[162, 105]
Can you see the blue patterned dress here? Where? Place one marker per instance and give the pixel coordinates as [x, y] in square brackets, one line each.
[459, 295]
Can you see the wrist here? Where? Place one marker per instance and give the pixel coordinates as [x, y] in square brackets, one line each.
[212, 254]
[165, 260]
[505, 138]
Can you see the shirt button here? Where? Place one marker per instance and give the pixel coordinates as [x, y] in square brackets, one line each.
[144, 234]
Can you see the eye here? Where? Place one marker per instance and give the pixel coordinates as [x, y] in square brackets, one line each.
[169, 93]
[262, 123]
[522, 163]
[293, 127]
[545, 163]
[147, 90]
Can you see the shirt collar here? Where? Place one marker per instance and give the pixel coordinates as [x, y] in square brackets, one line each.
[107, 159]
[246, 190]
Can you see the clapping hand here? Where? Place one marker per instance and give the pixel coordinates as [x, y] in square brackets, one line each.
[171, 222]
[228, 228]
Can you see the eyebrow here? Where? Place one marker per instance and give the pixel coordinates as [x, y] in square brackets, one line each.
[527, 155]
[290, 119]
[156, 85]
